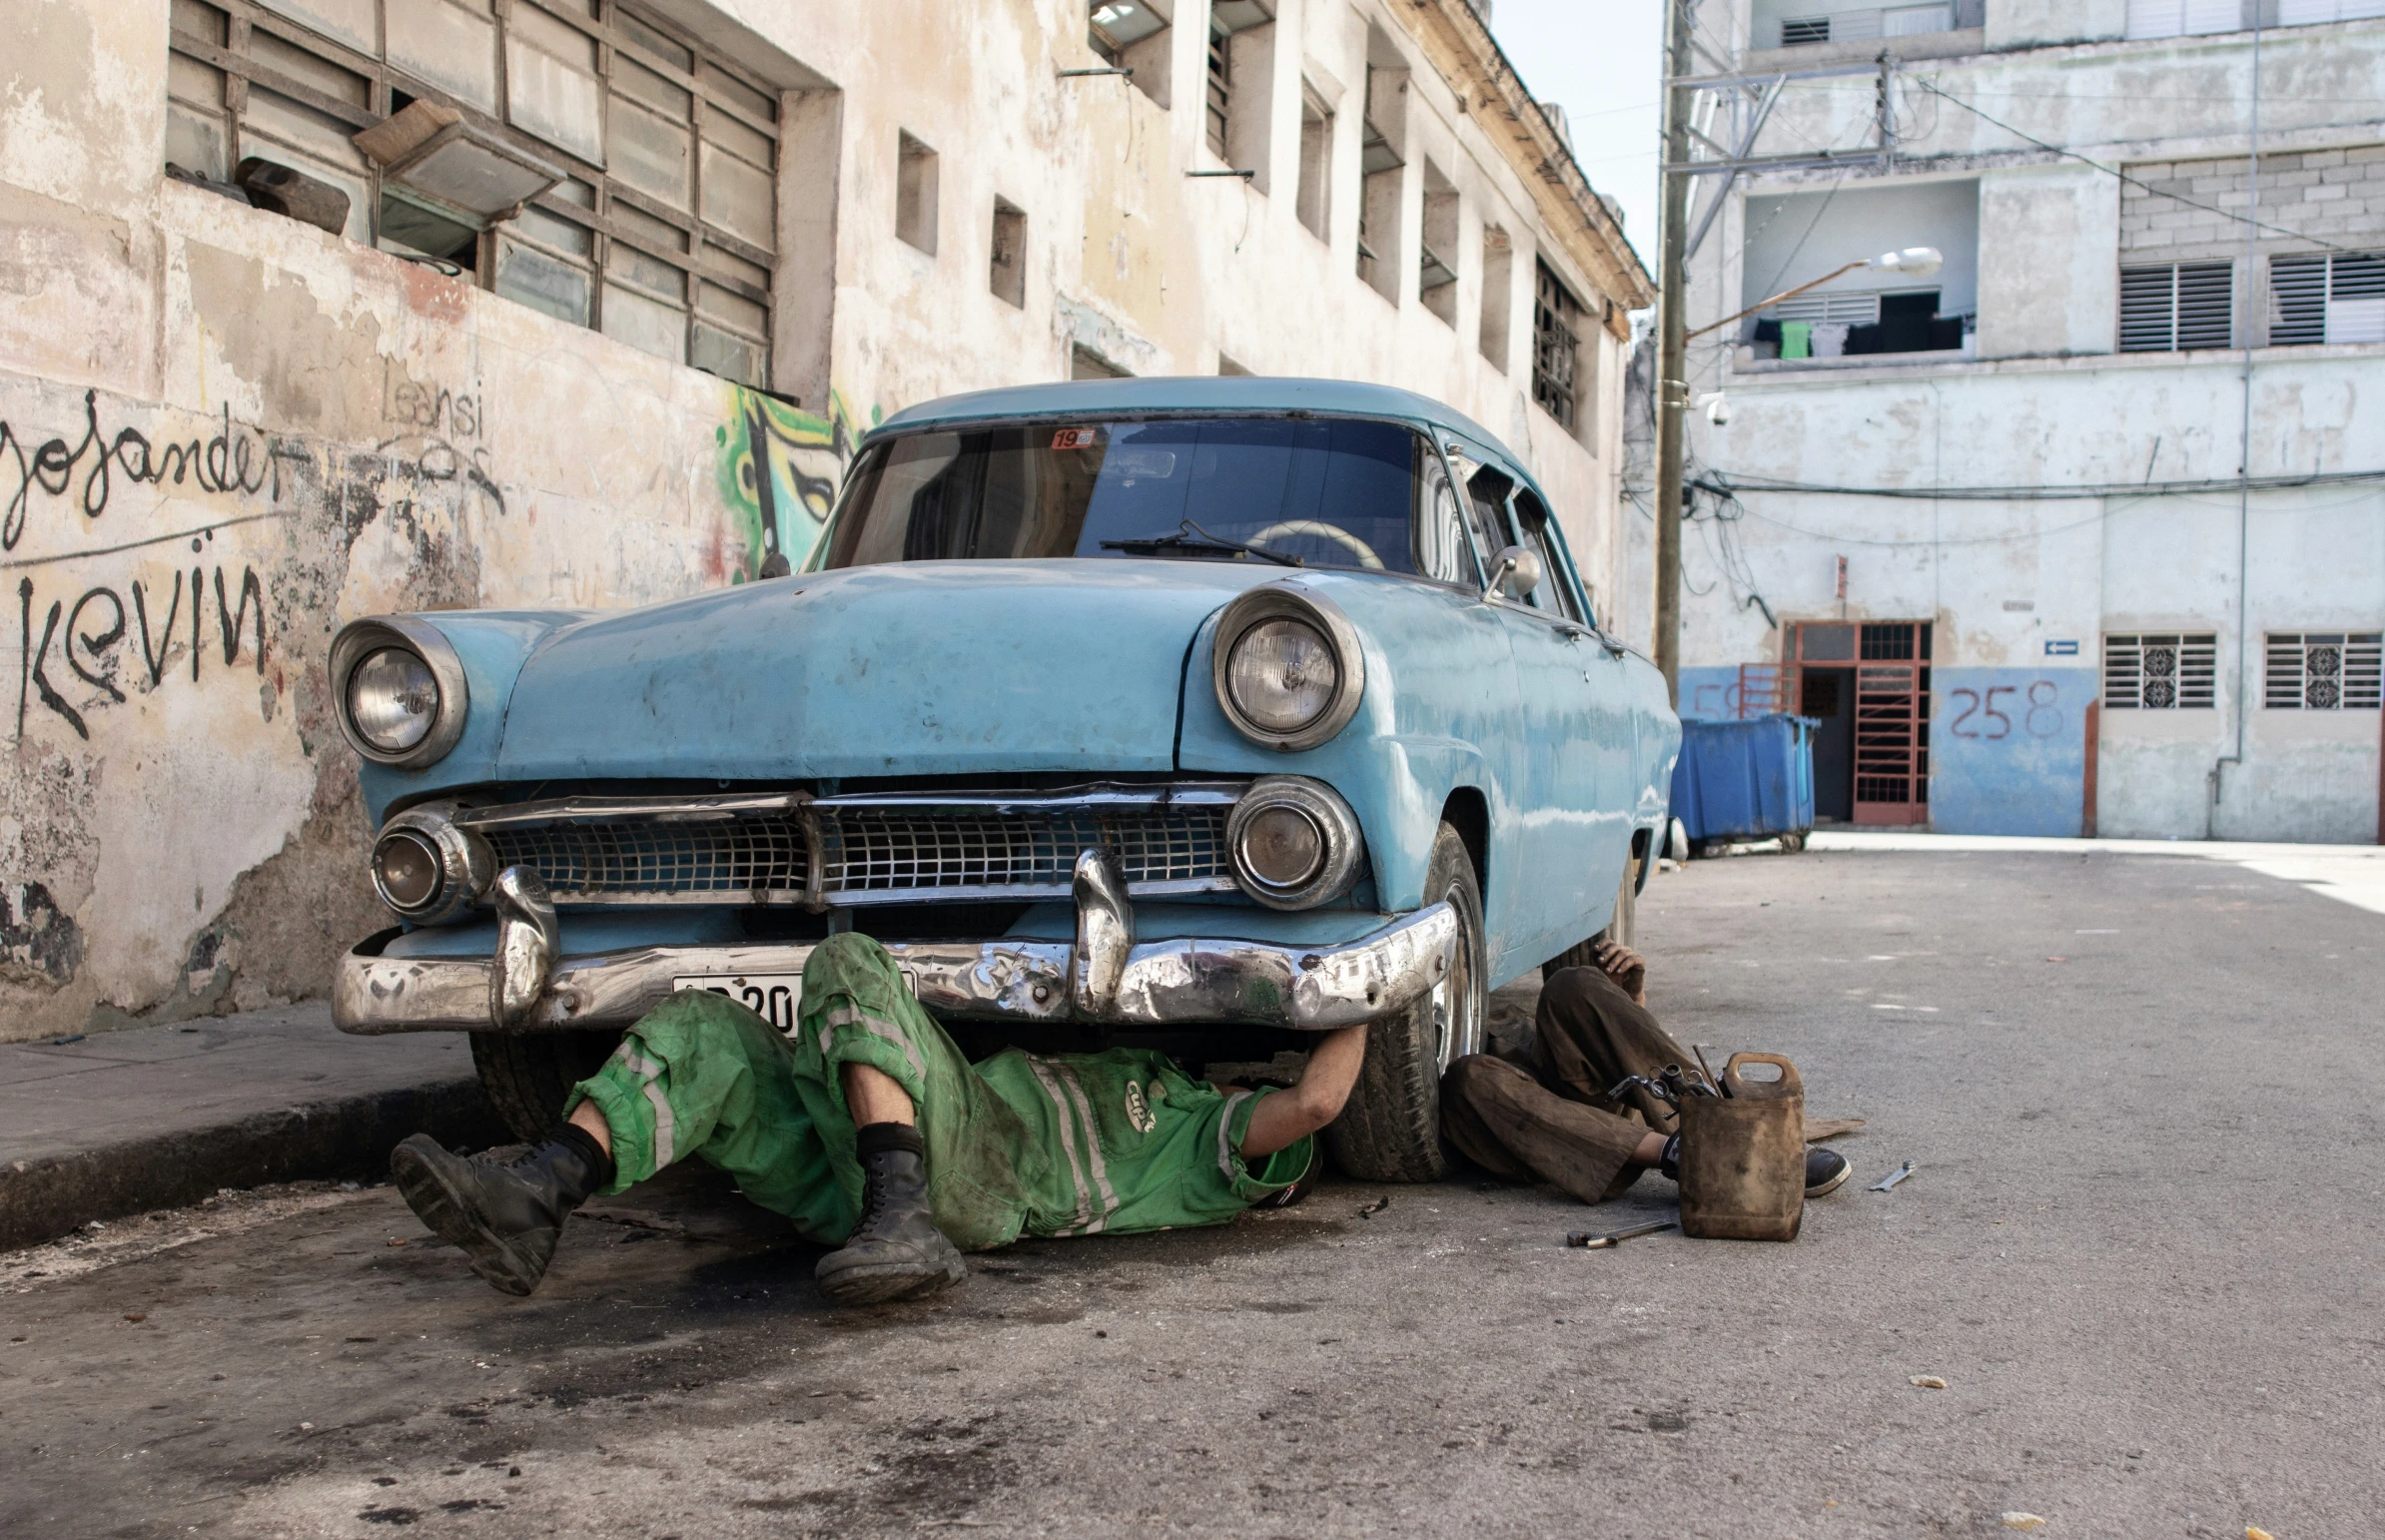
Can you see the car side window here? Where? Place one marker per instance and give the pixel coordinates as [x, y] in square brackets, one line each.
[1485, 488]
[1555, 594]
[1441, 530]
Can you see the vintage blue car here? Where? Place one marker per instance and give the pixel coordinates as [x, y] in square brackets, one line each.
[1206, 713]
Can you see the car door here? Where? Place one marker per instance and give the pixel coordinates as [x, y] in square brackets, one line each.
[1579, 741]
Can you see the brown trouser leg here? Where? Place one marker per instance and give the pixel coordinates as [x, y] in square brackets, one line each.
[1561, 1128]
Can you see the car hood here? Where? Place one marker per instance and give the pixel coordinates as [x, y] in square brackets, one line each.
[917, 668]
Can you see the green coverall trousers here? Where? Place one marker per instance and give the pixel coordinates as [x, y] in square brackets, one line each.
[1074, 1143]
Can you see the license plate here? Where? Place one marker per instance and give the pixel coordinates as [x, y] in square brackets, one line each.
[774, 996]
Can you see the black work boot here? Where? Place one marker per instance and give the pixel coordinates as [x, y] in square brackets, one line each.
[1826, 1170]
[896, 1252]
[505, 1219]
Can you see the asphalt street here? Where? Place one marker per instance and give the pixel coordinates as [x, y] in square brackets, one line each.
[2140, 1248]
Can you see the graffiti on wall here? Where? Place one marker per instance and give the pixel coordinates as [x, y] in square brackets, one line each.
[779, 466]
[2008, 755]
[109, 606]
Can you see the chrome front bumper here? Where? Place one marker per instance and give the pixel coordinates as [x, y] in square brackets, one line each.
[1104, 977]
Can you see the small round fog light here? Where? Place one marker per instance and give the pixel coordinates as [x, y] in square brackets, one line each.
[1283, 846]
[408, 871]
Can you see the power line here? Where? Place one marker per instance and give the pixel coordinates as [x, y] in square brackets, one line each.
[1724, 483]
[2112, 171]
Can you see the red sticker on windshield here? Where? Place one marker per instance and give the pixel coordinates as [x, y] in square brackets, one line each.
[1072, 438]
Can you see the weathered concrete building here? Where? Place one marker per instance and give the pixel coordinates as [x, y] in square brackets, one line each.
[615, 287]
[2087, 529]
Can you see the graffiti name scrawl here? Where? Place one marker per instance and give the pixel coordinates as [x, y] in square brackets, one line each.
[86, 644]
[233, 459]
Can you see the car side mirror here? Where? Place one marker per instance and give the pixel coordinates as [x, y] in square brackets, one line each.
[1516, 572]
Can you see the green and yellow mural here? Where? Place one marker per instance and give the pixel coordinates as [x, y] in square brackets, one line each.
[779, 466]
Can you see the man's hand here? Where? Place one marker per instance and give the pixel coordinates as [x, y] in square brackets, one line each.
[1285, 1117]
[1627, 968]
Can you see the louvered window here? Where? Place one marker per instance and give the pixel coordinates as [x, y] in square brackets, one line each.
[2161, 672]
[2184, 18]
[2177, 306]
[2323, 670]
[2304, 13]
[1807, 29]
[2334, 297]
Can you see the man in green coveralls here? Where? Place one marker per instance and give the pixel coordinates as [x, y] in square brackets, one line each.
[871, 1130]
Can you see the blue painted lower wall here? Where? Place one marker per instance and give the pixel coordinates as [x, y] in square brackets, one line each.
[2007, 750]
[2007, 746]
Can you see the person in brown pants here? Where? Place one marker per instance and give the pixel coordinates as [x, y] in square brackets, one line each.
[1555, 1123]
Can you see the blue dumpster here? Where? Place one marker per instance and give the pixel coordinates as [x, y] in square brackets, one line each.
[1748, 780]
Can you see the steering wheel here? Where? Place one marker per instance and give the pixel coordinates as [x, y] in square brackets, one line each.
[1332, 533]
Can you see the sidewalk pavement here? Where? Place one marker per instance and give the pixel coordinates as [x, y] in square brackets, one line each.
[157, 1117]
[2348, 874]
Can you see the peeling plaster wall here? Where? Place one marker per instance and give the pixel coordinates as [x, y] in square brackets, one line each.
[226, 432]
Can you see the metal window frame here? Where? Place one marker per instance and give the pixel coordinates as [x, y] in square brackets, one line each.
[1556, 345]
[2196, 674]
[2359, 670]
[233, 59]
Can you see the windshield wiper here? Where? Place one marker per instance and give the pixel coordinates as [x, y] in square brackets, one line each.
[1191, 536]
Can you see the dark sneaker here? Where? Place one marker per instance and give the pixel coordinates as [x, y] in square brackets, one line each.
[505, 1219]
[896, 1252]
[1826, 1170]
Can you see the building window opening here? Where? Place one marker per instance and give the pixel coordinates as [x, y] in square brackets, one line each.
[1436, 253]
[2324, 671]
[1135, 35]
[1869, 23]
[1555, 346]
[2336, 297]
[1009, 276]
[2169, 671]
[1242, 62]
[1498, 294]
[1380, 167]
[2172, 307]
[611, 173]
[1315, 201]
[915, 194]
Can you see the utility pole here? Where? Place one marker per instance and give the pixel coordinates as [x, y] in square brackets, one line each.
[1672, 351]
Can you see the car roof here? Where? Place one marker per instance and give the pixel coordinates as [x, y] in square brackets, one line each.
[1191, 393]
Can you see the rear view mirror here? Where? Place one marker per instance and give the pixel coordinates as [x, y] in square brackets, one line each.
[1516, 572]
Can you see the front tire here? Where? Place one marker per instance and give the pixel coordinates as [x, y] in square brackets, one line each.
[1391, 1128]
[528, 1074]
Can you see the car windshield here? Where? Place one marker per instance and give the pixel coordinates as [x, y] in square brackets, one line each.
[1333, 492]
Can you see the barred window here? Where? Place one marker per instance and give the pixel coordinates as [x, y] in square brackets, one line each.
[2157, 672]
[2324, 670]
[2173, 306]
[2334, 297]
[662, 231]
[1556, 346]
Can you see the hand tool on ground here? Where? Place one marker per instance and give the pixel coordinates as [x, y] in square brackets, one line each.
[1611, 1238]
[1892, 1177]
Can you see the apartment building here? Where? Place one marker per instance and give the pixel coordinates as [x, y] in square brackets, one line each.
[2084, 530]
[311, 308]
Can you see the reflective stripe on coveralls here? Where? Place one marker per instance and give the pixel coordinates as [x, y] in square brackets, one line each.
[1118, 1141]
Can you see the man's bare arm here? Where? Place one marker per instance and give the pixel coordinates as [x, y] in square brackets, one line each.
[1287, 1116]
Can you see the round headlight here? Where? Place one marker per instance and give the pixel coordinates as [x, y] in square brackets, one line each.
[400, 690]
[408, 871]
[1296, 843]
[393, 698]
[1283, 846]
[1282, 675]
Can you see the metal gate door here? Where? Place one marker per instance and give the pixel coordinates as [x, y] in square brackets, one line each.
[1892, 726]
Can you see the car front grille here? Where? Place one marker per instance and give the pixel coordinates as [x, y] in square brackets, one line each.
[868, 850]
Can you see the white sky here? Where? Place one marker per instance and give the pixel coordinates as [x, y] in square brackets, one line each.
[1600, 60]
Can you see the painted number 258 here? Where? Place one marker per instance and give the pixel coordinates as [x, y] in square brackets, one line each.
[2041, 719]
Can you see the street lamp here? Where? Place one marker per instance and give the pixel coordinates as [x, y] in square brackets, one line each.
[1913, 262]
